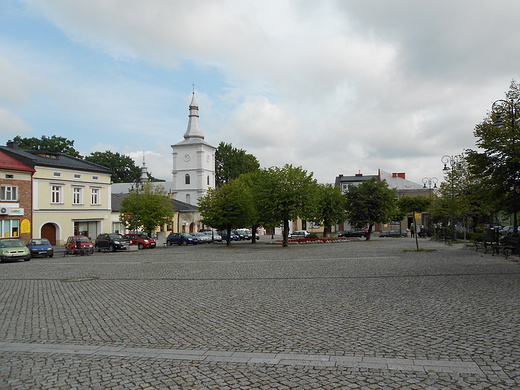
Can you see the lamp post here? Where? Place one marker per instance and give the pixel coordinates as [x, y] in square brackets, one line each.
[454, 162]
[512, 108]
[432, 183]
[135, 187]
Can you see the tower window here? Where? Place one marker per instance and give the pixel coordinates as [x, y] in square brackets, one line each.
[187, 179]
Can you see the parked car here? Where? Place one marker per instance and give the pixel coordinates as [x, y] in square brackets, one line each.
[142, 240]
[394, 233]
[40, 247]
[213, 236]
[202, 237]
[181, 239]
[299, 234]
[112, 242]
[506, 230]
[354, 233]
[13, 249]
[234, 237]
[79, 245]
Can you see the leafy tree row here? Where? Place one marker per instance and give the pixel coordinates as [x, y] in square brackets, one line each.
[124, 169]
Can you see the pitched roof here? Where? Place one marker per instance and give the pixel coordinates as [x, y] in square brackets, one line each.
[34, 158]
[179, 206]
[10, 163]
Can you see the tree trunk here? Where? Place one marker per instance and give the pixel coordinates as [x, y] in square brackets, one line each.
[285, 233]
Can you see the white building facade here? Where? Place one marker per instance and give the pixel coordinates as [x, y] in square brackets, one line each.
[193, 162]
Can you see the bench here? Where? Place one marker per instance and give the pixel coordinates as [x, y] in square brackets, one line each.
[510, 245]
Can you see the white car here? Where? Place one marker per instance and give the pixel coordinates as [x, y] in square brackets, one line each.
[213, 236]
[202, 237]
[299, 234]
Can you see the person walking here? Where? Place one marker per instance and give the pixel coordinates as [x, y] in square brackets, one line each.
[412, 229]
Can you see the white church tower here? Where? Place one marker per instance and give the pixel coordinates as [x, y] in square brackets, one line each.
[193, 161]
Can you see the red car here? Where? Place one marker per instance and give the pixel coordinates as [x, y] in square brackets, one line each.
[79, 245]
[142, 240]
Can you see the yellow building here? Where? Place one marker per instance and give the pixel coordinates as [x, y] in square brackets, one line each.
[70, 196]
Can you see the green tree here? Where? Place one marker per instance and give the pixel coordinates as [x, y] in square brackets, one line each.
[369, 203]
[227, 207]
[124, 169]
[497, 161]
[284, 194]
[231, 162]
[146, 208]
[416, 204]
[48, 144]
[329, 207]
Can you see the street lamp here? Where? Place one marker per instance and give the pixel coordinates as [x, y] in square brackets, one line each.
[454, 162]
[135, 187]
[432, 183]
[511, 108]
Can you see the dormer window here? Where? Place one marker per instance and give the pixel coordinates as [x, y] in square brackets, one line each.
[77, 176]
[57, 174]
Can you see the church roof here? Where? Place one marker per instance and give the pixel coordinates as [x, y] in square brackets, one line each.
[193, 130]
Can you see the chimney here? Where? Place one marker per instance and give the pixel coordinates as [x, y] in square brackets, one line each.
[394, 174]
[359, 174]
[402, 175]
[341, 175]
[12, 144]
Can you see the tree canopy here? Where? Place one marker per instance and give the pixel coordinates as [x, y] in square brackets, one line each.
[329, 207]
[286, 193]
[369, 203]
[124, 169]
[146, 208]
[227, 207]
[231, 162]
[497, 161]
[48, 144]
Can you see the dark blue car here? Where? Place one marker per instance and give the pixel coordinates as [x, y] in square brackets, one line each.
[181, 239]
[40, 247]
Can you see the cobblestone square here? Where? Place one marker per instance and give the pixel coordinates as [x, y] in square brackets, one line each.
[353, 315]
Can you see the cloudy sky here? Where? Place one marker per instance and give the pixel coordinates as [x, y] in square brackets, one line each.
[337, 87]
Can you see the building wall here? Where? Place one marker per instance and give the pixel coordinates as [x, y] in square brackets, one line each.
[66, 217]
[22, 180]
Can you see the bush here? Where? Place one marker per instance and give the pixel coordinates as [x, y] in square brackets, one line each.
[312, 235]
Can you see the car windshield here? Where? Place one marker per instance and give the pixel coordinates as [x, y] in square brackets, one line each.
[115, 236]
[14, 243]
[39, 241]
[81, 239]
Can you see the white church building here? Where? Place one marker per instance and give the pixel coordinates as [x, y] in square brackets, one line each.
[193, 162]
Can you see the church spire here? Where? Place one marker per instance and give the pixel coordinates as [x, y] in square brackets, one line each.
[193, 130]
[144, 173]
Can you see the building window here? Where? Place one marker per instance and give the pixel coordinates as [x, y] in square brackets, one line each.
[57, 174]
[188, 198]
[208, 180]
[56, 194]
[187, 179]
[77, 176]
[77, 195]
[95, 196]
[95, 177]
[9, 193]
[9, 227]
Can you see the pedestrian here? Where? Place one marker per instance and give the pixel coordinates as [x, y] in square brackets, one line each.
[412, 229]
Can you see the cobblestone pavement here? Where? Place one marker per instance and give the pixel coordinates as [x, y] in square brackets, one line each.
[354, 315]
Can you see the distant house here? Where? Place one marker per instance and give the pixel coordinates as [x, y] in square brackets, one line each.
[15, 198]
[69, 195]
[395, 181]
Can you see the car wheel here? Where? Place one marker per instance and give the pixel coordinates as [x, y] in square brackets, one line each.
[51, 255]
[140, 246]
[29, 259]
[112, 248]
[98, 249]
[169, 243]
